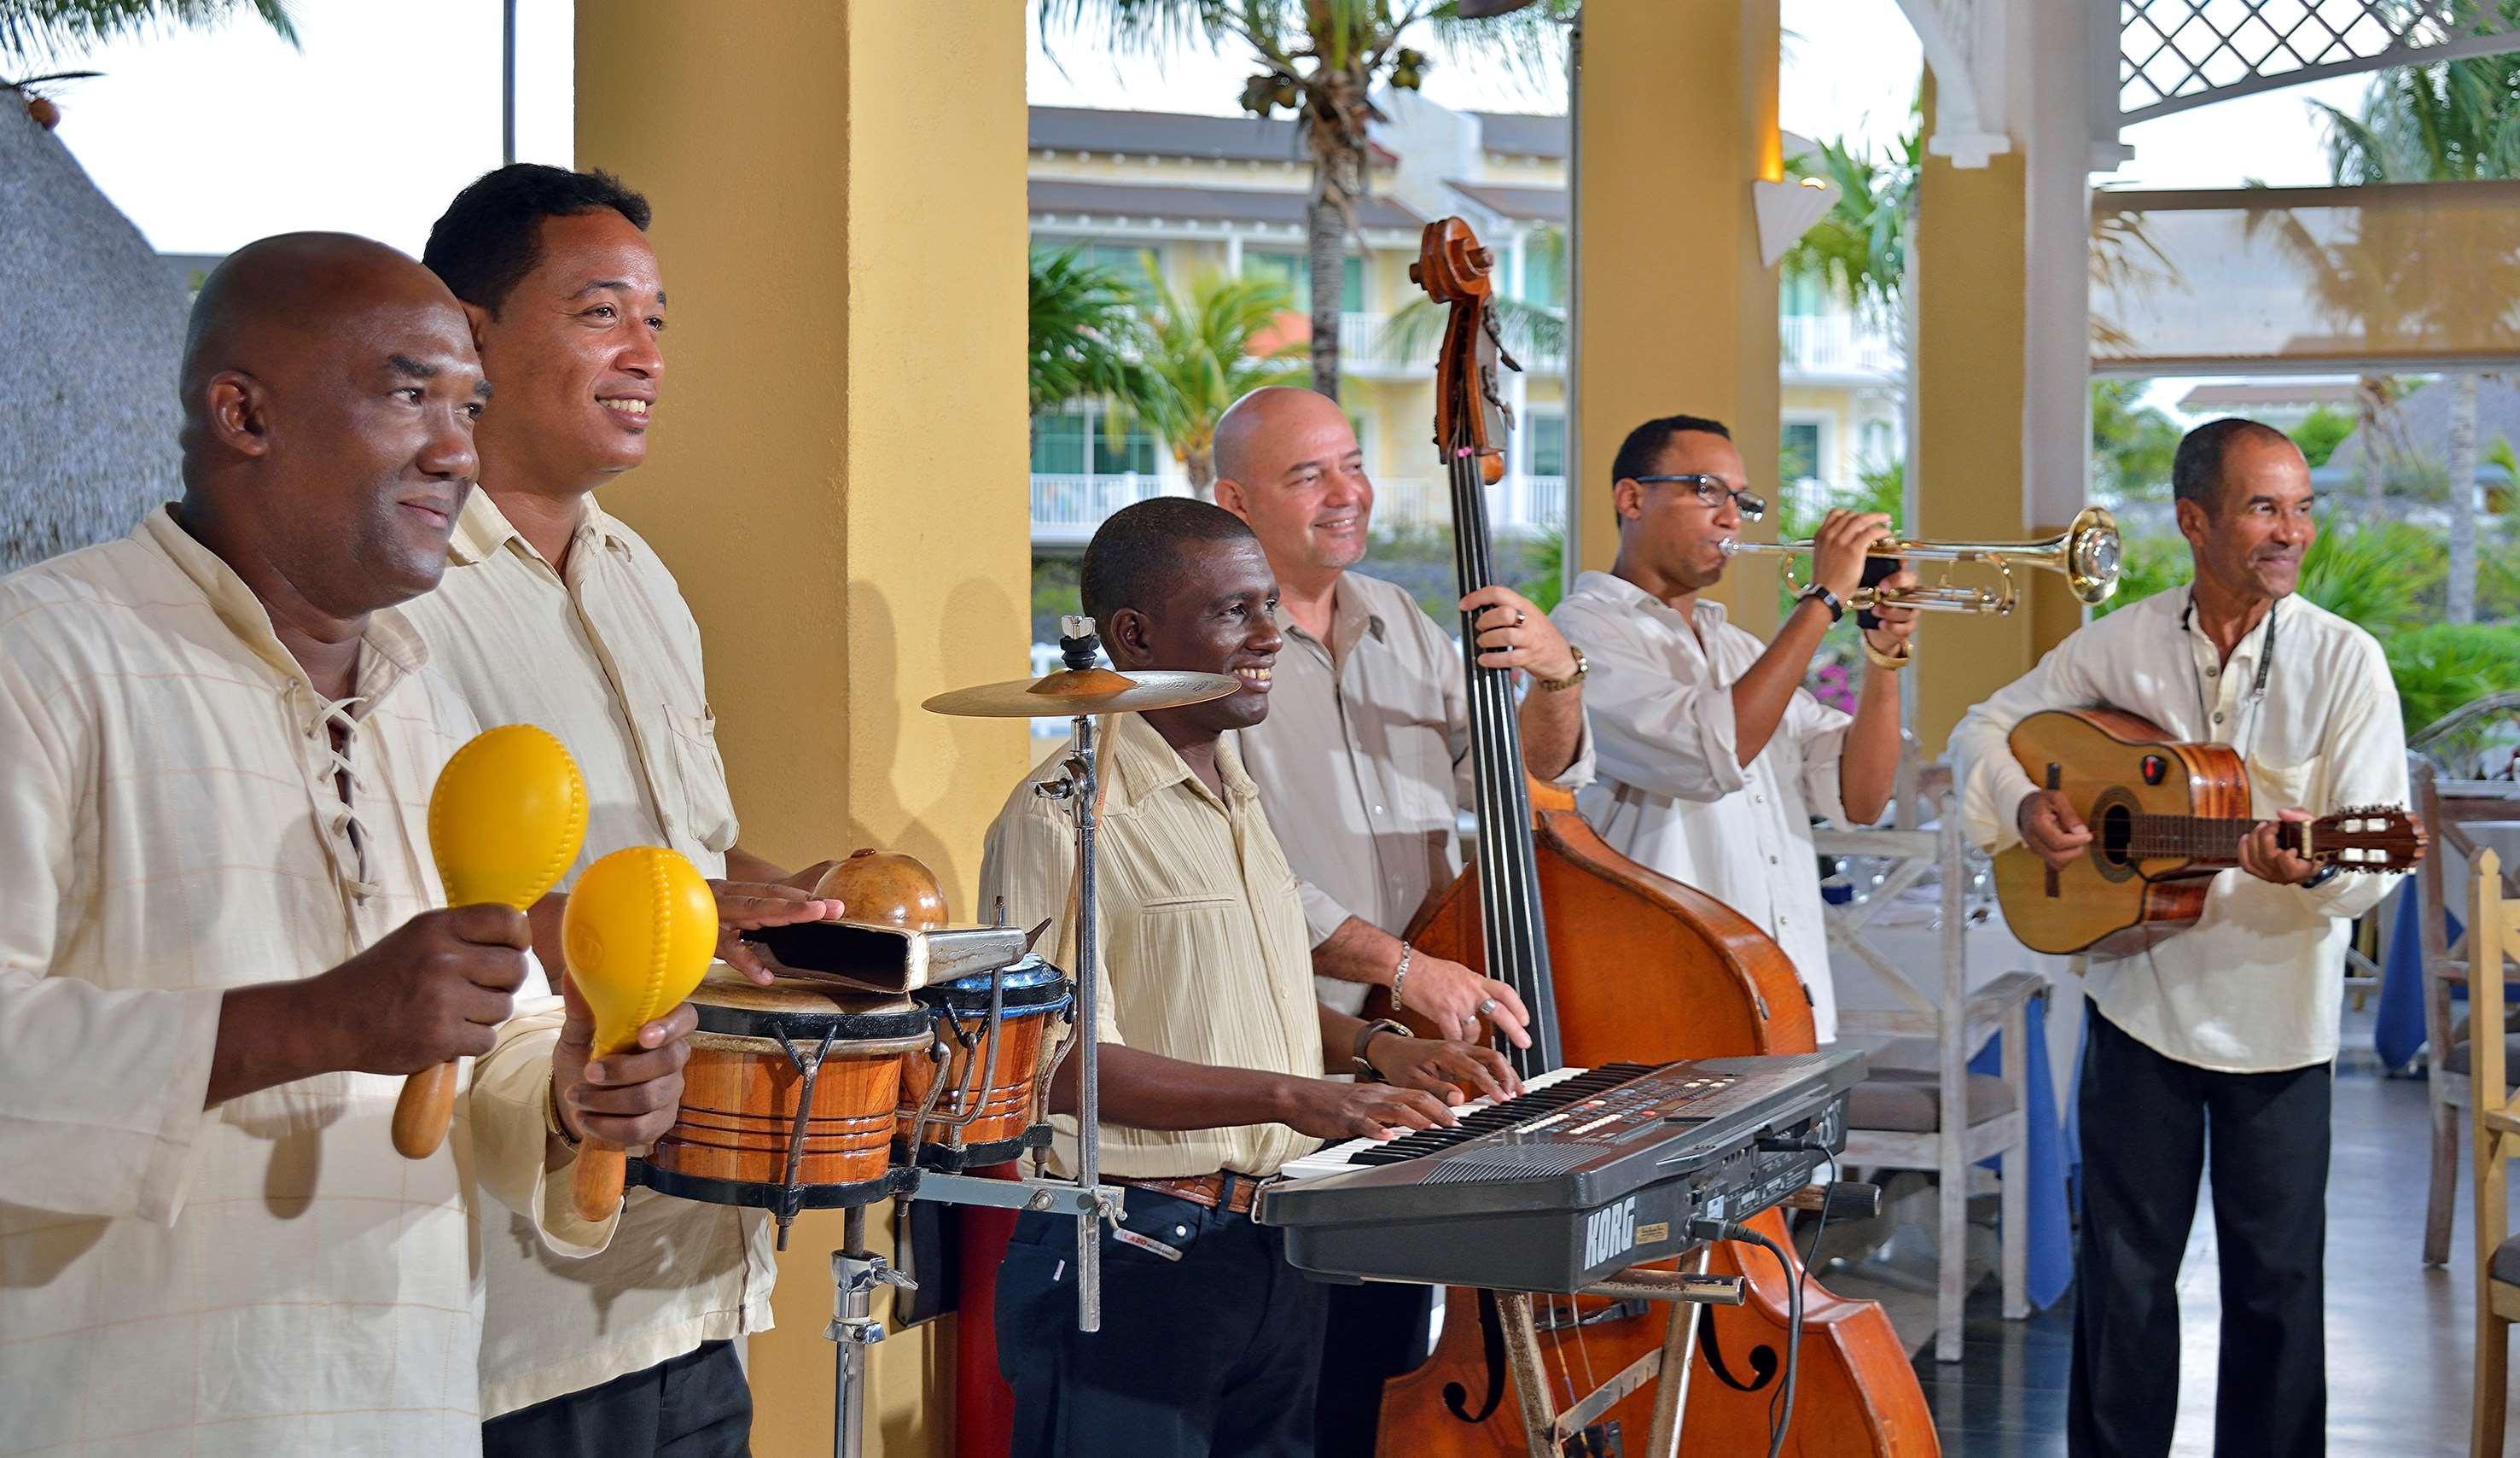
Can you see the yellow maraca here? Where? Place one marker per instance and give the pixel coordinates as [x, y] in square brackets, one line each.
[638, 930]
[505, 820]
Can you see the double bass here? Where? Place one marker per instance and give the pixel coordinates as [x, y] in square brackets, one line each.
[1614, 962]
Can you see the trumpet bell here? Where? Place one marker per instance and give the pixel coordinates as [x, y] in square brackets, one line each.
[2091, 549]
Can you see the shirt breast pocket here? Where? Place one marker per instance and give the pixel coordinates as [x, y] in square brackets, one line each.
[2278, 785]
[708, 810]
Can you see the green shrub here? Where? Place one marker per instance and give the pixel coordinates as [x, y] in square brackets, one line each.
[2147, 565]
[2442, 665]
[2381, 577]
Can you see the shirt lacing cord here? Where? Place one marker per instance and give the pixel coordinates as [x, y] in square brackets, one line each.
[340, 813]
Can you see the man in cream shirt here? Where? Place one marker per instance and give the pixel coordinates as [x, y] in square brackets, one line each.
[2213, 1053]
[552, 612]
[217, 953]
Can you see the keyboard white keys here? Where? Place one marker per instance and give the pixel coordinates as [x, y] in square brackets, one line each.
[1338, 1158]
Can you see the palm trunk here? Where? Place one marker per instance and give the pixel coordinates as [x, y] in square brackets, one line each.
[2376, 481]
[2462, 498]
[1335, 115]
[1325, 248]
[1199, 462]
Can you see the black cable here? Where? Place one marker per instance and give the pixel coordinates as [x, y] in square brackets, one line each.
[1728, 1230]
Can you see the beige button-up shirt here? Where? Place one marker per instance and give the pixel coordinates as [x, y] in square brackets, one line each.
[2255, 986]
[268, 1276]
[1202, 947]
[607, 657]
[1674, 795]
[1364, 761]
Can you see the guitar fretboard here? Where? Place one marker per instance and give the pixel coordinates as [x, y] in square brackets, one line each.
[2200, 838]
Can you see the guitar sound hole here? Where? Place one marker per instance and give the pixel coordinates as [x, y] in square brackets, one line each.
[2116, 830]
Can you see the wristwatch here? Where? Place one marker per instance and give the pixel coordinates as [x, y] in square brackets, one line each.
[1365, 1037]
[2322, 876]
[1560, 685]
[1828, 599]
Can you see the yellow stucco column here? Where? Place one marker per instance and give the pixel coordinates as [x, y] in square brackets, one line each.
[1969, 271]
[1675, 315]
[838, 473]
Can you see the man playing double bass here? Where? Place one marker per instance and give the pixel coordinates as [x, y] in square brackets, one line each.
[1363, 765]
[2212, 1053]
[1213, 1042]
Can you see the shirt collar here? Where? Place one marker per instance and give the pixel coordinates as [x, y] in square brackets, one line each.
[1138, 764]
[398, 648]
[1351, 618]
[1621, 592]
[481, 529]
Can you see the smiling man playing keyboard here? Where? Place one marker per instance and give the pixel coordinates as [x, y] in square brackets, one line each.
[1212, 1043]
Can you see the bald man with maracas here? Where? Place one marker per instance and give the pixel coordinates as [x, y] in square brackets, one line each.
[218, 951]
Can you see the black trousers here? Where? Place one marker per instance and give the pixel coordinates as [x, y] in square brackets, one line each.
[1208, 1350]
[2151, 1127]
[691, 1406]
[1377, 1332]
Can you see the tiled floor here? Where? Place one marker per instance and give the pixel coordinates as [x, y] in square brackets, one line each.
[2398, 1335]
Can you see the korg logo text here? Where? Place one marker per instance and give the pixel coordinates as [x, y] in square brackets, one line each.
[1609, 1230]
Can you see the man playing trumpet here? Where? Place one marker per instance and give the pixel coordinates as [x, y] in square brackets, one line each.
[1712, 756]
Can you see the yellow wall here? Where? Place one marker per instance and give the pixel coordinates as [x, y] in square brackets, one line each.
[1969, 271]
[1679, 115]
[835, 475]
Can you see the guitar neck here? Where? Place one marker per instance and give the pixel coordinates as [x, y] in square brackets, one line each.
[2205, 838]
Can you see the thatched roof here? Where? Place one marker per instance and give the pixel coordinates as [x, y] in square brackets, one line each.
[91, 325]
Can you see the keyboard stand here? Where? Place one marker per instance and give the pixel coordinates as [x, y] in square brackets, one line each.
[1544, 1429]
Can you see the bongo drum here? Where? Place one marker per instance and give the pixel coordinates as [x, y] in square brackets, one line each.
[788, 1098]
[974, 1098]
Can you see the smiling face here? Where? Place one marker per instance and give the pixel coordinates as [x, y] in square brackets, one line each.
[573, 352]
[2251, 544]
[1299, 482]
[1664, 527]
[360, 435]
[1213, 616]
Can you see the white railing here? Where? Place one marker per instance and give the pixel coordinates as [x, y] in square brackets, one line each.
[1363, 348]
[1836, 344]
[1521, 505]
[1067, 507]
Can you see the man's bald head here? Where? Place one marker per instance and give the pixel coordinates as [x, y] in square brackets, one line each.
[1287, 461]
[328, 387]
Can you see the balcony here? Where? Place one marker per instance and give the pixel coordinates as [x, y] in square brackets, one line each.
[1367, 352]
[1837, 347]
[1065, 509]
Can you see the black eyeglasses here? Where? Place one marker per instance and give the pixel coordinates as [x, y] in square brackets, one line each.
[1712, 491]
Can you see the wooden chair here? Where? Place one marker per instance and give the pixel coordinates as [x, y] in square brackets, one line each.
[1898, 1117]
[2449, 1079]
[2493, 935]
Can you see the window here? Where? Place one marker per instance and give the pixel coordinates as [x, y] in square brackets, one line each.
[1802, 295]
[1798, 454]
[1544, 268]
[1127, 260]
[1548, 437]
[1065, 440]
[1295, 271]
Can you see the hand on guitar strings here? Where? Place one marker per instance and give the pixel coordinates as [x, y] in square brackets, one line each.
[1443, 1068]
[749, 906]
[1455, 998]
[2050, 829]
[2263, 858]
[627, 1100]
[1513, 634]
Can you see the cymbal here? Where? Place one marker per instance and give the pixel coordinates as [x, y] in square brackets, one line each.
[1074, 690]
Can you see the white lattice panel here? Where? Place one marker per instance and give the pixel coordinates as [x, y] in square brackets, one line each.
[2178, 54]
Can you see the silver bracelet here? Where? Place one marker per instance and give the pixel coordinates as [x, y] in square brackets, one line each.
[1399, 973]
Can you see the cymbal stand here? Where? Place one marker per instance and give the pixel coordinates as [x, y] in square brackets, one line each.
[856, 1272]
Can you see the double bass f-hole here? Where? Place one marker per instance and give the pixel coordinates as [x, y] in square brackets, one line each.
[1492, 1340]
[1763, 1357]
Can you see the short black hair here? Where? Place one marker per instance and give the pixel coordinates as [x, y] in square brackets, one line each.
[2196, 471]
[490, 237]
[1642, 451]
[1139, 547]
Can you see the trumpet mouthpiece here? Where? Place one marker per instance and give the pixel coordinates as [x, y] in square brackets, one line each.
[1727, 545]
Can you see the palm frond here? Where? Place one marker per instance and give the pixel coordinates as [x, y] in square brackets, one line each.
[52, 27]
[1083, 339]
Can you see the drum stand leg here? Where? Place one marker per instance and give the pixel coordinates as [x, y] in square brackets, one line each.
[856, 1272]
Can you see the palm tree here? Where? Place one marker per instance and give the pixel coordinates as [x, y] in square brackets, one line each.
[1321, 60]
[1084, 338]
[35, 27]
[1859, 249]
[2455, 121]
[1201, 358]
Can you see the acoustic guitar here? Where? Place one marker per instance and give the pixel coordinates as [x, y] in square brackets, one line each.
[2165, 817]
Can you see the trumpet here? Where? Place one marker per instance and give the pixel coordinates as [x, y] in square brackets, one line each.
[2087, 553]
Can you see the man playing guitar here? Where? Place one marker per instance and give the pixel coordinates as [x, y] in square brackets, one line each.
[2219, 1040]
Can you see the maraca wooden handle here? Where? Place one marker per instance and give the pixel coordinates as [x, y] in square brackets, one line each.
[422, 1114]
[598, 1181]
